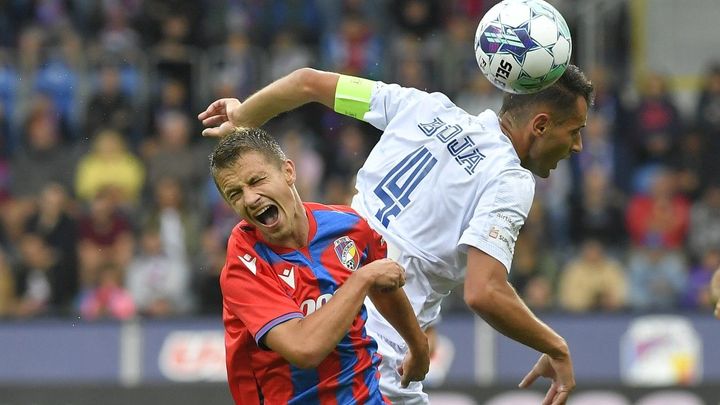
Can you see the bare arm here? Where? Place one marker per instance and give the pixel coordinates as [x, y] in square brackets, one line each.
[305, 342]
[489, 294]
[287, 93]
[396, 309]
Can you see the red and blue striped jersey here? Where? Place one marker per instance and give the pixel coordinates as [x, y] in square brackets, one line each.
[264, 285]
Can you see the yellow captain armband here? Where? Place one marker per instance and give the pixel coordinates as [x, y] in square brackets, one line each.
[352, 96]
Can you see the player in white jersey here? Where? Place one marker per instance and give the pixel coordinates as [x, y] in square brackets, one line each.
[449, 191]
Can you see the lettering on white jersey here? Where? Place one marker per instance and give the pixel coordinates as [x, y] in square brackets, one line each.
[288, 276]
[503, 237]
[311, 305]
[462, 149]
[249, 262]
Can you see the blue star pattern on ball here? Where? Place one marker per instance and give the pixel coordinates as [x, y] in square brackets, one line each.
[503, 39]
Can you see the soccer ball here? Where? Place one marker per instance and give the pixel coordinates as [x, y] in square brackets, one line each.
[523, 46]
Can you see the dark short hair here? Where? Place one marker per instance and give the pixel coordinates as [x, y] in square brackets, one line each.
[561, 96]
[241, 141]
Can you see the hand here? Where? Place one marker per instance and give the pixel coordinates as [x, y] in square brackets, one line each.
[717, 309]
[560, 371]
[386, 275]
[414, 366]
[218, 117]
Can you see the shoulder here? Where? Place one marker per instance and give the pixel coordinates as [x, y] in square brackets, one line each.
[408, 95]
[242, 237]
[339, 215]
[340, 210]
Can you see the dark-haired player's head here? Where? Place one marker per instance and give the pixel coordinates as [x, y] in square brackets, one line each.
[549, 121]
[258, 181]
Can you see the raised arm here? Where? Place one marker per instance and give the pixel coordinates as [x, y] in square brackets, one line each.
[306, 342]
[287, 93]
[491, 296]
[396, 309]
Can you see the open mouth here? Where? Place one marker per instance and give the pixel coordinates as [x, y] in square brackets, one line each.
[268, 216]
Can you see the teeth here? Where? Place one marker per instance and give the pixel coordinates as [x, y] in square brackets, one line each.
[262, 211]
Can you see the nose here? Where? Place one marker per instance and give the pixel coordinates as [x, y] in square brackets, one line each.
[577, 146]
[252, 198]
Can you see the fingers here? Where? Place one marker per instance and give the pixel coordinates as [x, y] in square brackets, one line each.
[218, 106]
[405, 380]
[717, 310]
[550, 396]
[215, 120]
[218, 132]
[529, 378]
[561, 397]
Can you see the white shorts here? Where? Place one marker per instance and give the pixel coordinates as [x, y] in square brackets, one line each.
[426, 306]
[393, 352]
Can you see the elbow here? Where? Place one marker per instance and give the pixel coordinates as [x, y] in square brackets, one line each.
[305, 80]
[306, 357]
[482, 300]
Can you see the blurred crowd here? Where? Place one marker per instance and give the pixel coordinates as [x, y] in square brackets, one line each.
[107, 208]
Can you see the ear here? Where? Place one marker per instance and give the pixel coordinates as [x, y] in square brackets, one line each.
[288, 169]
[540, 124]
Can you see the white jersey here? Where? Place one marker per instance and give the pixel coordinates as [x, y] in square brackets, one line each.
[440, 180]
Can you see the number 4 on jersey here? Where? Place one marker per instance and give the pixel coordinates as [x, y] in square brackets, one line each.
[395, 188]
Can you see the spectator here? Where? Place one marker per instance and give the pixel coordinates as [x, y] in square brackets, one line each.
[58, 229]
[109, 107]
[209, 264]
[532, 274]
[657, 224]
[105, 236]
[657, 277]
[42, 158]
[592, 281]
[37, 288]
[110, 165]
[354, 49]
[691, 164]
[172, 154]
[457, 66]
[108, 299]
[597, 212]
[697, 294]
[660, 217]
[172, 98]
[656, 126]
[705, 222]
[417, 17]
[241, 64]
[478, 94]
[307, 162]
[157, 280]
[707, 116]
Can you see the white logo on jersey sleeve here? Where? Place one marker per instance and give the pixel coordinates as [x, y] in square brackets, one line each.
[250, 264]
[288, 276]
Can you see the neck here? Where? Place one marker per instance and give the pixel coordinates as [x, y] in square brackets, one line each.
[520, 144]
[299, 229]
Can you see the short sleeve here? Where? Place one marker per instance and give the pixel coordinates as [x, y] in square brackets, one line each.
[388, 100]
[499, 215]
[376, 246]
[252, 293]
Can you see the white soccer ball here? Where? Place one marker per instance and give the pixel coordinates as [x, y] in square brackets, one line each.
[523, 46]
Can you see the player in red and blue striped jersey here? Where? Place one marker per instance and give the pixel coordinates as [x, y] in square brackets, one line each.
[293, 284]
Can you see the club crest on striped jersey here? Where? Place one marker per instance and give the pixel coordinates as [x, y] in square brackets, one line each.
[347, 252]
